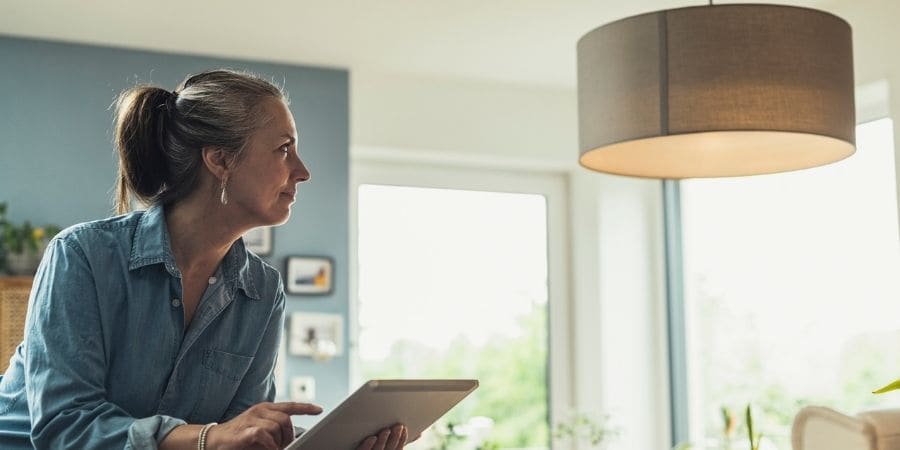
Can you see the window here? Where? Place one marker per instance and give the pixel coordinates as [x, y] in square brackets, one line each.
[791, 290]
[453, 282]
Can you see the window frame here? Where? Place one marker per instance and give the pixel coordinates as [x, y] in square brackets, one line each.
[474, 174]
[872, 103]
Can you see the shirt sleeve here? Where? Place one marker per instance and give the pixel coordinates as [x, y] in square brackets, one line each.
[258, 385]
[65, 363]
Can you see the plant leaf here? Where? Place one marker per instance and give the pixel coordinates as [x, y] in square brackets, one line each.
[749, 418]
[891, 387]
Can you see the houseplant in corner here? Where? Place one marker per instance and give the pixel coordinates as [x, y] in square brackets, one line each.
[21, 246]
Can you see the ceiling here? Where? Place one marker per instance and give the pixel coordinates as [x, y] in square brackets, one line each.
[511, 41]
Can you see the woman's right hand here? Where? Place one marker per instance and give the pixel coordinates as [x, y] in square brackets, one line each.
[393, 438]
[263, 426]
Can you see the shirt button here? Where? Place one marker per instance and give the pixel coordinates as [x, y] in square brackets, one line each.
[212, 280]
[176, 302]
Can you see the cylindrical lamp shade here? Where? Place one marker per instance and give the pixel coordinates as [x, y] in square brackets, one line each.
[716, 91]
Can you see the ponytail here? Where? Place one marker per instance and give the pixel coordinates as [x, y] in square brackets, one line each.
[140, 140]
[159, 135]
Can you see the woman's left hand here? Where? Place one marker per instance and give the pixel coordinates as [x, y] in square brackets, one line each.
[393, 438]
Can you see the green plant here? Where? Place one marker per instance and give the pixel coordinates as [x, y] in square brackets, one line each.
[448, 435]
[582, 427]
[25, 237]
[729, 423]
[753, 437]
[890, 387]
[729, 426]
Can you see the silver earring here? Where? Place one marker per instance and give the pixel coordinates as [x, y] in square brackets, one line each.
[224, 197]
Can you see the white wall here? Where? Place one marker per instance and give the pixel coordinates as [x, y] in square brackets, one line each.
[876, 51]
[460, 116]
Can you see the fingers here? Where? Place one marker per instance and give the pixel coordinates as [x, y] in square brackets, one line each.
[268, 433]
[382, 438]
[283, 431]
[268, 442]
[261, 438]
[294, 408]
[280, 413]
[375, 442]
[367, 443]
[269, 424]
[394, 436]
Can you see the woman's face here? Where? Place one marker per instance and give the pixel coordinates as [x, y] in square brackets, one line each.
[263, 184]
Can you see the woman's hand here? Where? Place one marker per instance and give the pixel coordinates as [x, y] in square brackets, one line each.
[393, 438]
[263, 426]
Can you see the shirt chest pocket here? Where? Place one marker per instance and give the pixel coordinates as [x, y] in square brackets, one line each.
[227, 365]
[221, 376]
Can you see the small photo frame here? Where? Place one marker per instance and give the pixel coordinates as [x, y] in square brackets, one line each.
[259, 240]
[317, 335]
[308, 275]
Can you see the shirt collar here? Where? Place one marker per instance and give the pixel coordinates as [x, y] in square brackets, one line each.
[151, 245]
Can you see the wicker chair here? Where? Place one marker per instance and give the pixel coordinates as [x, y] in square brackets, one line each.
[14, 293]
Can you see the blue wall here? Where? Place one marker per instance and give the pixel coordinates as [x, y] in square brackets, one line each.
[57, 163]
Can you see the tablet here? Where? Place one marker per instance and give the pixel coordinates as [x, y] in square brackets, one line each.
[380, 404]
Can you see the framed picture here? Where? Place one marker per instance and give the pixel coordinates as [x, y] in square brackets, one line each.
[308, 275]
[317, 335]
[259, 240]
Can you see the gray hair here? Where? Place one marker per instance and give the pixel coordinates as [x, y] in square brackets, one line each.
[159, 134]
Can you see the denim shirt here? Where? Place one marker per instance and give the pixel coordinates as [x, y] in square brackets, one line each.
[107, 363]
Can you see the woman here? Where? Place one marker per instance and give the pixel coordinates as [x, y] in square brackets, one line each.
[147, 329]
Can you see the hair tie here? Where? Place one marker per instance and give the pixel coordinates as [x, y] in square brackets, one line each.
[169, 103]
[169, 109]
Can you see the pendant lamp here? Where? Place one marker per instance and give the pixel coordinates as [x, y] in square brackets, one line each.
[716, 91]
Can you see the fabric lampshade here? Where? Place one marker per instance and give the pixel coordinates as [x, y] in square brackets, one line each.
[716, 91]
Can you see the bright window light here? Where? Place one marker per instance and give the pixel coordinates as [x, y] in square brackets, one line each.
[792, 291]
[453, 283]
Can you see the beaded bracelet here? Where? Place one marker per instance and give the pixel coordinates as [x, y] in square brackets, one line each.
[201, 441]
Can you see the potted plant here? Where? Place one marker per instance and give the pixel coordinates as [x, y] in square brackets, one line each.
[450, 435]
[728, 441]
[583, 428]
[21, 246]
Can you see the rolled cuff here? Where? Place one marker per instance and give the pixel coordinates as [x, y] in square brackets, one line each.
[147, 433]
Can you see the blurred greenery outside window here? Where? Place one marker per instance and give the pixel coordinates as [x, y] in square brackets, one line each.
[453, 284]
[791, 290]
